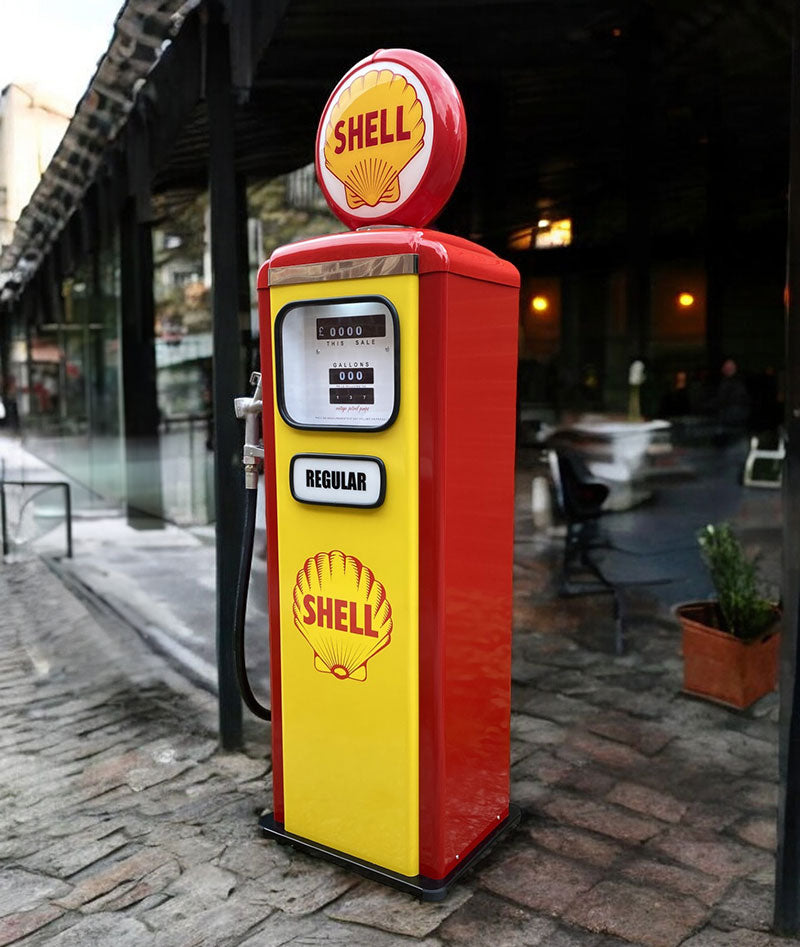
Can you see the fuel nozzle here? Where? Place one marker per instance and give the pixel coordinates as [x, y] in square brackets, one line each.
[250, 409]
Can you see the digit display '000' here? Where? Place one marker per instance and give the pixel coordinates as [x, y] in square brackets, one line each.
[351, 376]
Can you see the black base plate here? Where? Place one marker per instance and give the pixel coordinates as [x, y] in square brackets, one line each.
[422, 887]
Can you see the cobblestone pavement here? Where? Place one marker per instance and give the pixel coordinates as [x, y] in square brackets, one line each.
[648, 817]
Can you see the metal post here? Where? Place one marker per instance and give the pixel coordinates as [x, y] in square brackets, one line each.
[68, 515]
[227, 381]
[137, 346]
[5, 355]
[27, 320]
[638, 172]
[787, 874]
[3, 517]
[191, 465]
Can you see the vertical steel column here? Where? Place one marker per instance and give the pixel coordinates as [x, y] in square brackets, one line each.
[3, 517]
[28, 317]
[638, 172]
[787, 873]
[5, 355]
[68, 517]
[137, 345]
[228, 380]
[719, 247]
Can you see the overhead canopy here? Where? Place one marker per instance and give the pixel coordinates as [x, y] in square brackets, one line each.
[565, 100]
[573, 107]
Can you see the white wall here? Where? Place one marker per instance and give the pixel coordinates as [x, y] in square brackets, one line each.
[32, 124]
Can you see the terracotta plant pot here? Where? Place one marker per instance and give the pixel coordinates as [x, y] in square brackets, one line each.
[721, 667]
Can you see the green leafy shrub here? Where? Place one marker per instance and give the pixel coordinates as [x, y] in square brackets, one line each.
[743, 611]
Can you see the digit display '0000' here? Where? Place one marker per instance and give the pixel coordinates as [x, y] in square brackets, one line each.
[370, 326]
[322, 345]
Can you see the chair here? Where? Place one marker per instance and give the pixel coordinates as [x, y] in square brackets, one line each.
[580, 501]
[764, 464]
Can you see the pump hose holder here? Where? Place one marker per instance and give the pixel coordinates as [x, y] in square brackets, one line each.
[249, 409]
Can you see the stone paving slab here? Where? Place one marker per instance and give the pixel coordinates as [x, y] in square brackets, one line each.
[648, 817]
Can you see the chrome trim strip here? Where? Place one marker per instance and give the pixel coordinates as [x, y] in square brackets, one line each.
[401, 264]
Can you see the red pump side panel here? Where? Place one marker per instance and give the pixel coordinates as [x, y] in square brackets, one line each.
[268, 435]
[468, 353]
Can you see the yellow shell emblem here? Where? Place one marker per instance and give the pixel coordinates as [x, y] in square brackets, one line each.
[375, 129]
[342, 612]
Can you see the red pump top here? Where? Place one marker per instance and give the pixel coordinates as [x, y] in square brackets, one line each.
[436, 252]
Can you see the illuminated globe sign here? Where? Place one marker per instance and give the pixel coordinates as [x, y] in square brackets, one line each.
[391, 141]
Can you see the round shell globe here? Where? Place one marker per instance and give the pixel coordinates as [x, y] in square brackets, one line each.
[391, 141]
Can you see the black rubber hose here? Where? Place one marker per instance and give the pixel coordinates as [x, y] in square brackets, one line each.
[243, 584]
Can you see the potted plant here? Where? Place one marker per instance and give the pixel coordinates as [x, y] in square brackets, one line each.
[730, 644]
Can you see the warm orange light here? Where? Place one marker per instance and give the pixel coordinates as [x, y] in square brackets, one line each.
[539, 303]
[685, 300]
[521, 239]
[553, 233]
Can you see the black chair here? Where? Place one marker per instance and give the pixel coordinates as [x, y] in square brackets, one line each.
[580, 501]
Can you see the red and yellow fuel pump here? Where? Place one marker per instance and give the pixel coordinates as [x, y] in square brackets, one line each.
[389, 371]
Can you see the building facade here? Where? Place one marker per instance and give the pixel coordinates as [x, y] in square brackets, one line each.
[32, 123]
[629, 159]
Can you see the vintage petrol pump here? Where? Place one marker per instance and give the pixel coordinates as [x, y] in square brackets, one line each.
[389, 372]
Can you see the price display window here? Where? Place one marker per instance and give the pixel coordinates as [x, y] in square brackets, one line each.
[338, 363]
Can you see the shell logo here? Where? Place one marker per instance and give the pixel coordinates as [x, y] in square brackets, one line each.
[375, 128]
[342, 612]
[391, 141]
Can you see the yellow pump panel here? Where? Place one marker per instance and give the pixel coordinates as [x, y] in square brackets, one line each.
[349, 636]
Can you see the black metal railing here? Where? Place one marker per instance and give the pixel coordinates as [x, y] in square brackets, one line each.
[41, 486]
